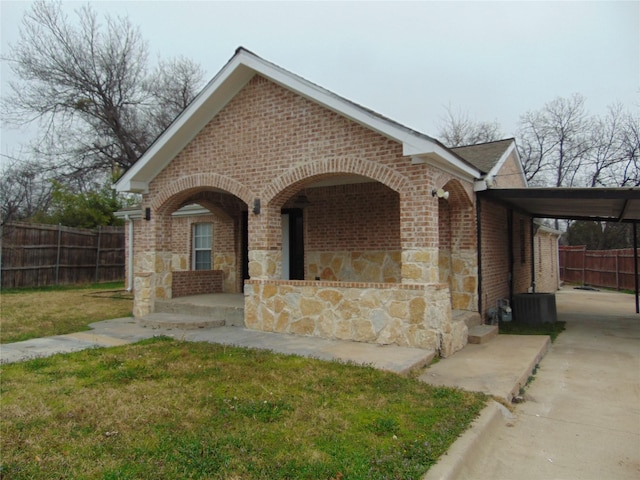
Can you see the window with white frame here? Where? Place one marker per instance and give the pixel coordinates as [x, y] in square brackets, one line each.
[202, 246]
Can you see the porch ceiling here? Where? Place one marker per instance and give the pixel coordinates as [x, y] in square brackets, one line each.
[597, 204]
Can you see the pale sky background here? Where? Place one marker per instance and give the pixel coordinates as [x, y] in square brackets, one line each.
[405, 60]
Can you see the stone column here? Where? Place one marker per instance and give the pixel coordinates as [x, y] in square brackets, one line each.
[419, 237]
[152, 264]
[265, 244]
[464, 259]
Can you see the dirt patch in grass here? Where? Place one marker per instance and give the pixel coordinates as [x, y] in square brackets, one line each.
[169, 409]
[33, 313]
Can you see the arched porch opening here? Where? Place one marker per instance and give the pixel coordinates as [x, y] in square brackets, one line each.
[208, 243]
[341, 228]
[197, 245]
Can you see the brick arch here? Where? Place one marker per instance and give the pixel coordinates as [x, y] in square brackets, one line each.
[176, 192]
[458, 196]
[280, 186]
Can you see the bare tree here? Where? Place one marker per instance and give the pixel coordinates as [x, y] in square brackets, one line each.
[88, 86]
[25, 190]
[629, 138]
[173, 85]
[606, 148]
[554, 141]
[458, 129]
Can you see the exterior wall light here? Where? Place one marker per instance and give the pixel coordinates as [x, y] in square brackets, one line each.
[440, 193]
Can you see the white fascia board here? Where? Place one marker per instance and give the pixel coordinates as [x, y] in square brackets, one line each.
[132, 213]
[329, 100]
[431, 152]
[230, 80]
[414, 145]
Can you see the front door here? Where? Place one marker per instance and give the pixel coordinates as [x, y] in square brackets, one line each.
[292, 244]
[244, 247]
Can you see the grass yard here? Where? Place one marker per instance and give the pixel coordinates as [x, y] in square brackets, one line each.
[167, 409]
[42, 312]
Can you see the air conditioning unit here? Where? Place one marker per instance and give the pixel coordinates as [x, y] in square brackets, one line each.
[534, 308]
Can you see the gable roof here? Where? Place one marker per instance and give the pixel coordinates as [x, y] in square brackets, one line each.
[232, 78]
[485, 156]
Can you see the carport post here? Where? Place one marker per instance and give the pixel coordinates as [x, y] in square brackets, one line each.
[635, 262]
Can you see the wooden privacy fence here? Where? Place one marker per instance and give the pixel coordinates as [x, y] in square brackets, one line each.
[599, 268]
[40, 255]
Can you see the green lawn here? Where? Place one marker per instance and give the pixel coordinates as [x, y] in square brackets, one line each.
[166, 409]
[42, 312]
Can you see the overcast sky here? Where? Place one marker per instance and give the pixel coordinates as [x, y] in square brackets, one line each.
[405, 60]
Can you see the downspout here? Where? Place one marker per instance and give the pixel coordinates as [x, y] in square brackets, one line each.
[635, 263]
[479, 253]
[533, 256]
[558, 261]
[511, 255]
[130, 255]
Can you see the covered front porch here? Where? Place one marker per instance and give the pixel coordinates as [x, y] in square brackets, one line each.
[413, 315]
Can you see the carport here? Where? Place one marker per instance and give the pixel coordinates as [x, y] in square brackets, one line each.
[595, 204]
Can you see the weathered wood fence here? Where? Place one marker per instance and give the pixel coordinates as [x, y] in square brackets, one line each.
[40, 255]
[599, 268]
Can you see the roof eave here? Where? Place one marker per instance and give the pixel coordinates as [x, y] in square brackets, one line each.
[216, 94]
[232, 78]
[439, 156]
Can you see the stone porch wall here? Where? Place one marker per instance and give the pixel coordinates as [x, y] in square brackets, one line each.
[412, 315]
[357, 266]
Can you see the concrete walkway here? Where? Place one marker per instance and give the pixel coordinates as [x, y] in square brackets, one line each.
[121, 331]
[581, 418]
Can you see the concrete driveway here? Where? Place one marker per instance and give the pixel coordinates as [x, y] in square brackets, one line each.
[581, 418]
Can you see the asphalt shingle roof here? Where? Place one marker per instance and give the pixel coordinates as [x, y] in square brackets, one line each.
[484, 156]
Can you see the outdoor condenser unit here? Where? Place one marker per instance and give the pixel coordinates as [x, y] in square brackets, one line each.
[534, 308]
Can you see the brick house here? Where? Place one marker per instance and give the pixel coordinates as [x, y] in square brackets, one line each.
[331, 219]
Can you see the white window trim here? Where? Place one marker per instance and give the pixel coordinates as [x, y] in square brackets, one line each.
[193, 244]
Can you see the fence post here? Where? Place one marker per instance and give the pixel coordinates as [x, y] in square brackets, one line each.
[618, 269]
[1, 243]
[98, 254]
[58, 253]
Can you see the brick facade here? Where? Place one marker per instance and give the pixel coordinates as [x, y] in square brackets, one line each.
[196, 282]
[384, 260]
[371, 216]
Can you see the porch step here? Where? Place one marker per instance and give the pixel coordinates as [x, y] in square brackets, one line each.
[471, 319]
[230, 315]
[179, 321]
[482, 333]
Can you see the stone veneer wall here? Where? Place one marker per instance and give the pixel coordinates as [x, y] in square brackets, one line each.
[152, 280]
[359, 266]
[412, 315]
